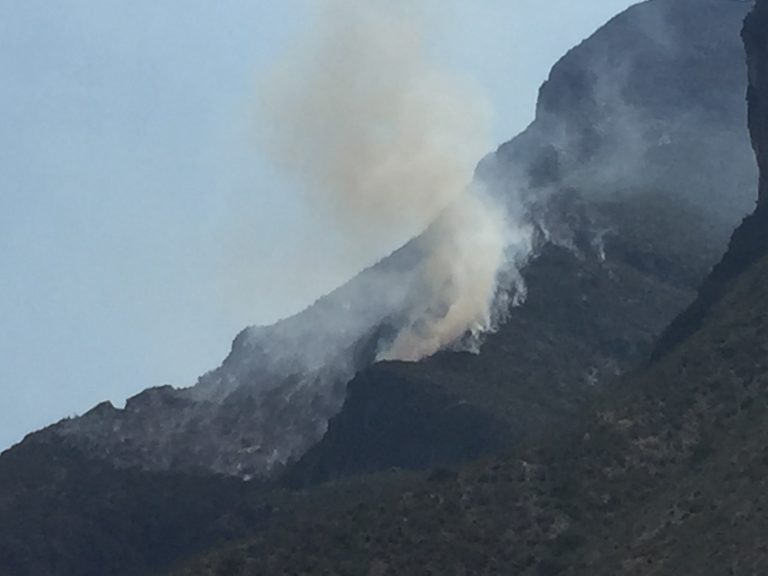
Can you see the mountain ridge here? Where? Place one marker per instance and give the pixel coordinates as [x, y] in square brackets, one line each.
[271, 399]
[666, 477]
[651, 475]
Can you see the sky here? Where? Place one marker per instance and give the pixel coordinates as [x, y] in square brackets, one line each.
[140, 226]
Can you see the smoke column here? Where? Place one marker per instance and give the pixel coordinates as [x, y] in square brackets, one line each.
[384, 145]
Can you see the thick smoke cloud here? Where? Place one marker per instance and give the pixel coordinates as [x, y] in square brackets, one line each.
[474, 252]
[384, 145]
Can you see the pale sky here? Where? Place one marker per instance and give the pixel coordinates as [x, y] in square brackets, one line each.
[140, 228]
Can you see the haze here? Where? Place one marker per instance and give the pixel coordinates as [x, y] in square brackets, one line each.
[140, 229]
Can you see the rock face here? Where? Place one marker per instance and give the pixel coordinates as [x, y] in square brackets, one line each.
[750, 240]
[616, 176]
[627, 110]
[756, 39]
[664, 472]
[666, 476]
[617, 172]
[587, 319]
[274, 393]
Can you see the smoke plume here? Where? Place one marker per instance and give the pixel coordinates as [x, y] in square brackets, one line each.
[384, 144]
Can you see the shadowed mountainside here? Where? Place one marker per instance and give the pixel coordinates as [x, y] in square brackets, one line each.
[603, 158]
[665, 477]
[621, 186]
[661, 472]
[747, 244]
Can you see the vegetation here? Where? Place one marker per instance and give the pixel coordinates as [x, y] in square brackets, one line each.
[663, 472]
[666, 478]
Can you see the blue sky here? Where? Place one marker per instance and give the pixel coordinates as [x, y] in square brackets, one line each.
[140, 229]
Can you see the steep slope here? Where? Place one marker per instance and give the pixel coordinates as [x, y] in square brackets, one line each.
[623, 238]
[666, 478]
[604, 153]
[627, 109]
[663, 476]
[748, 243]
[588, 317]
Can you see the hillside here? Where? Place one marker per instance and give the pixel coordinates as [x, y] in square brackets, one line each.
[665, 477]
[272, 397]
[620, 248]
[557, 449]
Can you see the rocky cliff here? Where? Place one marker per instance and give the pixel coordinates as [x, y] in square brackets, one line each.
[755, 40]
[665, 477]
[618, 119]
[750, 240]
[660, 473]
[617, 170]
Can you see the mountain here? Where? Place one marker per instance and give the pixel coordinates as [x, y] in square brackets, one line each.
[586, 458]
[747, 242]
[617, 120]
[619, 253]
[665, 476]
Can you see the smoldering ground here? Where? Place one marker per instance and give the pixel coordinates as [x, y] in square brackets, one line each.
[384, 144]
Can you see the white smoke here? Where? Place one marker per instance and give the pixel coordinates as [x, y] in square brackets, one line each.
[384, 144]
[467, 250]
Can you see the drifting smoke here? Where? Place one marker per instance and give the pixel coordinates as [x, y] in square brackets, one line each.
[466, 253]
[385, 145]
